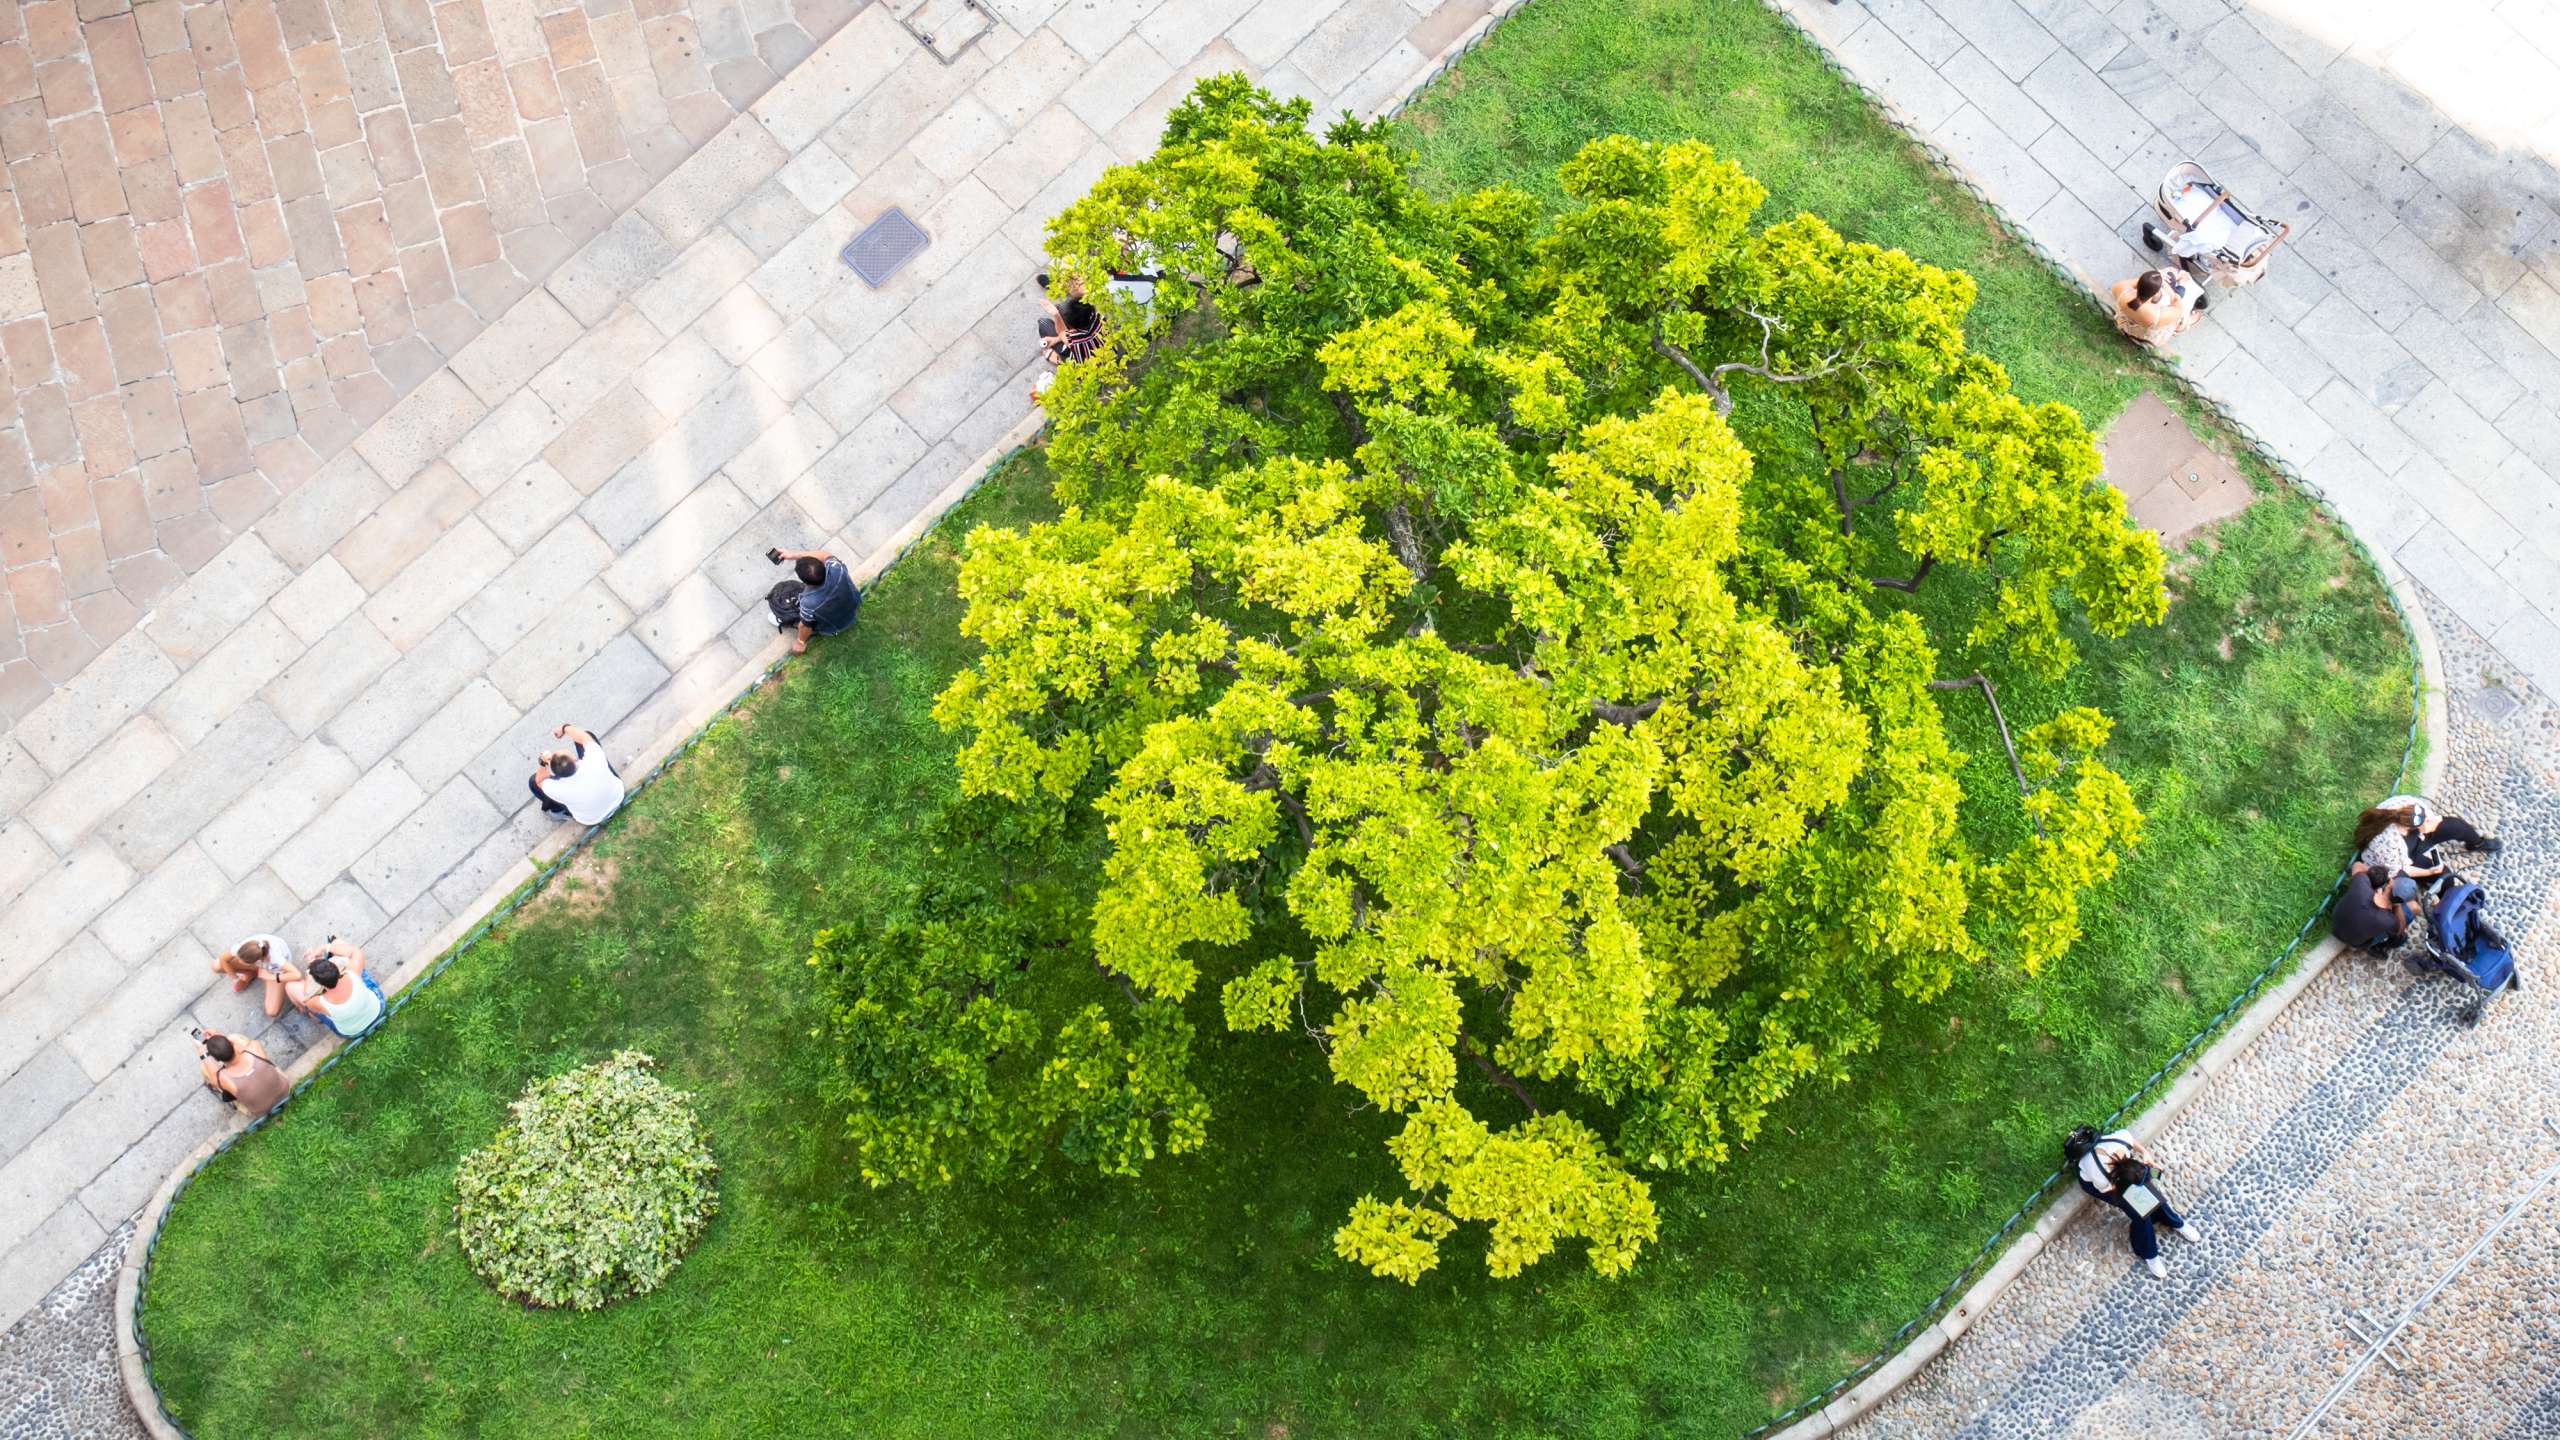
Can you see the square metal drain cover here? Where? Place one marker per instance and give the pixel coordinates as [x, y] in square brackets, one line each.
[885, 245]
[2494, 703]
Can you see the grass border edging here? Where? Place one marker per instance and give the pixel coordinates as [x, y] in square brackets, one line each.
[509, 892]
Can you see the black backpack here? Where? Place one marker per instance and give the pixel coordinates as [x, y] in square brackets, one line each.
[784, 600]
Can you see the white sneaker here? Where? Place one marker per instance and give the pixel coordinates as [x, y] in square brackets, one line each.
[2158, 1267]
[2190, 1232]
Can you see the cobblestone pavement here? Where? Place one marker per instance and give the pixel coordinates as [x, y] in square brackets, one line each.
[325, 728]
[58, 1376]
[237, 231]
[2403, 351]
[2342, 1163]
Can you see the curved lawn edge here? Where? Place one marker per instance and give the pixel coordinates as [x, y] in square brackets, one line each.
[520, 882]
[1886, 1374]
[1833, 1410]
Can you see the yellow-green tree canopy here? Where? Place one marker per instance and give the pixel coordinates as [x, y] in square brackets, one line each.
[1458, 692]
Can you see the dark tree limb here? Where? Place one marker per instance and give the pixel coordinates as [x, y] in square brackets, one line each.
[1625, 715]
[1497, 1074]
[1408, 545]
[1928, 562]
[1626, 862]
[1979, 681]
[1298, 812]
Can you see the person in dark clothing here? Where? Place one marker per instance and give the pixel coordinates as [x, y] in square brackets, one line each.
[2375, 909]
[1073, 329]
[829, 600]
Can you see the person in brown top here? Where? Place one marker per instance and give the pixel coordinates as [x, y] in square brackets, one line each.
[2157, 306]
[238, 1067]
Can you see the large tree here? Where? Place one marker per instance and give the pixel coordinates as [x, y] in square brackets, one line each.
[1458, 692]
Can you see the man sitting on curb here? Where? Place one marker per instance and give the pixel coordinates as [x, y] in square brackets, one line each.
[578, 782]
[2375, 909]
[828, 601]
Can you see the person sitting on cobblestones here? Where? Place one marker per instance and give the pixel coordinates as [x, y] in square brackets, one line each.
[239, 1067]
[340, 994]
[249, 959]
[2375, 908]
[2157, 306]
[578, 782]
[2402, 835]
[2115, 1169]
[827, 603]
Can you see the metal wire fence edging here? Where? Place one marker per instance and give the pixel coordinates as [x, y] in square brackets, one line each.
[1955, 173]
[488, 923]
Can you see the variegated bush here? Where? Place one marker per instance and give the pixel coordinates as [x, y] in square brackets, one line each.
[592, 1195]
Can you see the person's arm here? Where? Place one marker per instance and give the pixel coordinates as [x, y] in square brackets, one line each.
[212, 1073]
[339, 949]
[821, 556]
[567, 731]
[800, 639]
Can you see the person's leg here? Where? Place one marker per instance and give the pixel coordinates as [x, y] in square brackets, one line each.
[2145, 1235]
[549, 805]
[275, 995]
[2168, 1215]
[2450, 830]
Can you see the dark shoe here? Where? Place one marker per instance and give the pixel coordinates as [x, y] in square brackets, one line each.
[2489, 845]
[2153, 237]
[2201, 302]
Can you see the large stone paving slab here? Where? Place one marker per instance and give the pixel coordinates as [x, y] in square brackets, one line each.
[322, 722]
[235, 233]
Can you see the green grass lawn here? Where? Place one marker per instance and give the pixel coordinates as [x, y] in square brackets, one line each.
[309, 1283]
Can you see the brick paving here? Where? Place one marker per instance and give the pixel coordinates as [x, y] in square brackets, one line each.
[324, 726]
[236, 232]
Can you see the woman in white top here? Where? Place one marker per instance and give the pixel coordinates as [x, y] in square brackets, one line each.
[2105, 1166]
[245, 962]
[578, 782]
[341, 994]
[2400, 836]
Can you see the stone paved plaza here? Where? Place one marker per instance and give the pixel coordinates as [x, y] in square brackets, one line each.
[527, 336]
[324, 725]
[243, 230]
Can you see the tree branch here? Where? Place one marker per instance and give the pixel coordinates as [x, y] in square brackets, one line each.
[1497, 1074]
[1298, 812]
[1408, 545]
[1979, 681]
[1928, 562]
[1680, 357]
[1626, 862]
[1625, 715]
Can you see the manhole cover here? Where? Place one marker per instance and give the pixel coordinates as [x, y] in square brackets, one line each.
[2494, 703]
[885, 245]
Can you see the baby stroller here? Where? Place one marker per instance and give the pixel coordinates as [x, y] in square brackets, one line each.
[2459, 940]
[2205, 230]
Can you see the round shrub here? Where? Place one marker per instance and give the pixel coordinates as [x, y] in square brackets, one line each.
[594, 1193]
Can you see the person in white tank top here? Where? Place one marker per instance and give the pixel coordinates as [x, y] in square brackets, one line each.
[333, 986]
